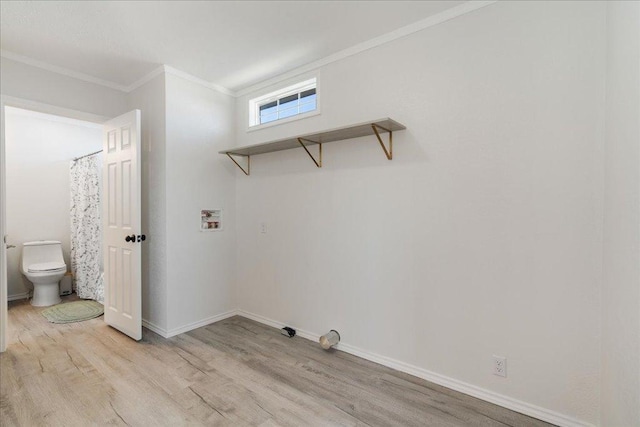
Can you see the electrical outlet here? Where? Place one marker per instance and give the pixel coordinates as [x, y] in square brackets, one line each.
[263, 227]
[499, 366]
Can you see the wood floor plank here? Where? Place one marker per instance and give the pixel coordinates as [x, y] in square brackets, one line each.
[235, 372]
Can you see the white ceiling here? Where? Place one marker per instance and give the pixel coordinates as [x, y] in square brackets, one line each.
[233, 44]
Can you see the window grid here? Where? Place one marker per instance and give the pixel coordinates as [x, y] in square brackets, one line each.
[287, 106]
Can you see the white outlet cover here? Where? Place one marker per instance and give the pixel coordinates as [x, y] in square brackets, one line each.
[499, 366]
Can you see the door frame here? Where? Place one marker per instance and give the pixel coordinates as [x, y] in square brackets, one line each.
[10, 101]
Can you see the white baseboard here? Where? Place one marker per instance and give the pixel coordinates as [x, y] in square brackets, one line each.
[279, 325]
[472, 390]
[200, 323]
[478, 392]
[186, 328]
[15, 297]
[155, 328]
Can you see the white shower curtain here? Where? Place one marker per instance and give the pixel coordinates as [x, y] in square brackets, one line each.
[86, 236]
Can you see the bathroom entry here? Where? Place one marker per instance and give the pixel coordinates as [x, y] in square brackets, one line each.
[39, 180]
[120, 217]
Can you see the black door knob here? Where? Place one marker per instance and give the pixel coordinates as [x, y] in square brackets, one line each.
[141, 237]
[131, 238]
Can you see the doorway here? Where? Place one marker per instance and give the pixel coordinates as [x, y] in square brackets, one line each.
[46, 192]
[8, 101]
[122, 141]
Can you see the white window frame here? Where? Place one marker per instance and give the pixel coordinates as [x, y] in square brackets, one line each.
[255, 103]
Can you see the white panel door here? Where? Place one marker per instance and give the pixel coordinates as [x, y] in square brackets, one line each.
[121, 219]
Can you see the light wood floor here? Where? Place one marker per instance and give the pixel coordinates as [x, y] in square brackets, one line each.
[232, 373]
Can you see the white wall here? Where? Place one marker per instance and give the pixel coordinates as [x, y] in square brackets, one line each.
[39, 149]
[481, 237]
[201, 265]
[188, 275]
[621, 286]
[150, 98]
[27, 82]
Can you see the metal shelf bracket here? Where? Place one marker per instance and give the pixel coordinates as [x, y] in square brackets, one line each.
[248, 162]
[389, 152]
[317, 162]
[358, 130]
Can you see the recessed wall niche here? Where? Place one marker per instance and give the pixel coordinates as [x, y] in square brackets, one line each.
[211, 220]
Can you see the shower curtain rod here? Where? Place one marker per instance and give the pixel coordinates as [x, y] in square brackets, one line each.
[87, 155]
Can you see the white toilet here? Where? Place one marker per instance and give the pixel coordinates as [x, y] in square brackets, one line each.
[43, 265]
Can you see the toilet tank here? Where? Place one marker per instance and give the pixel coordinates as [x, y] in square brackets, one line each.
[41, 251]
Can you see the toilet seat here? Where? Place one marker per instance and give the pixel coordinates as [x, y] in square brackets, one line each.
[47, 267]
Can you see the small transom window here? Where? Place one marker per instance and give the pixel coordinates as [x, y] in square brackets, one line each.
[291, 101]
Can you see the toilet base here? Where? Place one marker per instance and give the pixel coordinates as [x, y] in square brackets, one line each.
[45, 294]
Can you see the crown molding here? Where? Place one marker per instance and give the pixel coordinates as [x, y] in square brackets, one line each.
[165, 69]
[196, 80]
[431, 21]
[61, 70]
[109, 84]
[145, 79]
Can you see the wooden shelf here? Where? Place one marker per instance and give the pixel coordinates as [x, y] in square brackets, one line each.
[374, 127]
